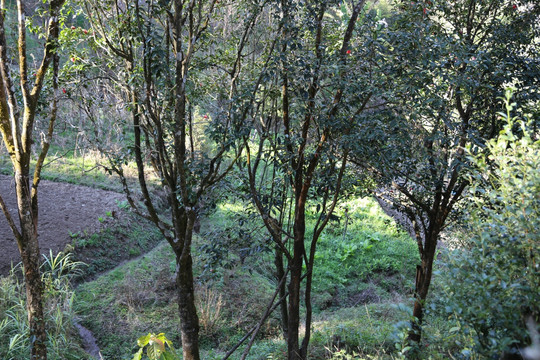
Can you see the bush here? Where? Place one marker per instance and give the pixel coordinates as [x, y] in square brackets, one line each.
[493, 286]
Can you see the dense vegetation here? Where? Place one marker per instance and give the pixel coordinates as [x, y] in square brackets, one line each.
[304, 180]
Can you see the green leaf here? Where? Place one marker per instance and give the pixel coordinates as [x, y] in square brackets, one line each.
[152, 353]
[143, 340]
[167, 356]
[138, 354]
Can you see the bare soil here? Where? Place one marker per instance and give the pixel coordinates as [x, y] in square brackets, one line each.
[64, 209]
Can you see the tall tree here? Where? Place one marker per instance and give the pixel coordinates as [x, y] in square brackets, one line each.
[20, 91]
[320, 86]
[449, 63]
[169, 76]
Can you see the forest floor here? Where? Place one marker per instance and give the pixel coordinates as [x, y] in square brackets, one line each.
[64, 210]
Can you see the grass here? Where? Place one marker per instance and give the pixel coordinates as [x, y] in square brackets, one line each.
[367, 330]
[121, 238]
[62, 338]
[371, 261]
[73, 156]
[139, 297]
[360, 275]
[81, 170]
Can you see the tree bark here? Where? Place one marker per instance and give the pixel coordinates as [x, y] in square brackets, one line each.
[16, 128]
[30, 254]
[295, 267]
[280, 272]
[424, 272]
[189, 321]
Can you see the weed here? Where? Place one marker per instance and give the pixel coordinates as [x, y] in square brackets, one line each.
[210, 305]
[57, 271]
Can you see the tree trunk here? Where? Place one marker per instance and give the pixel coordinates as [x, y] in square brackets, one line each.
[30, 255]
[280, 272]
[309, 309]
[295, 267]
[294, 309]
[423, 280]
[189, 321]
[34, 291]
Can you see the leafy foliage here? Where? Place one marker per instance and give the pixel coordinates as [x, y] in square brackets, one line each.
[447, 64]
[493, 286]
[158, 347]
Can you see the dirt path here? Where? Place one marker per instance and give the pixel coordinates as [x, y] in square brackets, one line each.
[63, 209]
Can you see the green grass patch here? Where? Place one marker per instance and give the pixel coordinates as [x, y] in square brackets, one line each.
[360, 271]
[365, 258]
[63, 342]
[71, 169]
[365, 330]
[122, 237]
[140, 297]
[121, 305]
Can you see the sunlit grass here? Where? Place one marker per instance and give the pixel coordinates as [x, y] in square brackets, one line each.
[359, 274]
[88, 169]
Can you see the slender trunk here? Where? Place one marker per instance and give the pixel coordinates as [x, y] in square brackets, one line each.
[294, 309]
[309, 309]
[34, 298]
[189, 321]
[30, 255]
[295, 267]
[423, 280]
[280, 272]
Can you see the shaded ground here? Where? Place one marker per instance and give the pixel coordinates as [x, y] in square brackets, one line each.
[400, 218]
[89, 341]
[64, 209]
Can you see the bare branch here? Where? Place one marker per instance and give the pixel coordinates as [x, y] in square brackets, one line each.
[10, 221]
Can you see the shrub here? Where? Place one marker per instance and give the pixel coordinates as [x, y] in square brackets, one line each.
[494, 285]
[158, 347]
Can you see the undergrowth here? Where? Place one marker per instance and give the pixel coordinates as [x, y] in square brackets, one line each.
[62, 338]
[364, 267]
[122, 236]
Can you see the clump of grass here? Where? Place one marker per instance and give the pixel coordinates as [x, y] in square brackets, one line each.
[62, 338]
[210, 304]
[122, 304]
[365, 330]
[365, 258]
[140, 296]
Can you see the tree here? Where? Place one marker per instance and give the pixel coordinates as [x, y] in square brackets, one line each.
[448, 65]
[167, 77]
[303, 123]
[16, 126]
